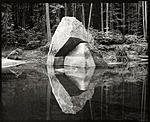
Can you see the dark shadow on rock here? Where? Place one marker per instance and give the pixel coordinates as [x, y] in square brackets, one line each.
[69, 46]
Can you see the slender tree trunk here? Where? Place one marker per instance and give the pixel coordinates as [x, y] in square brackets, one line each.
[102, 25]
[129, 23]
[145, 19]
[133, 20]
[43, 20]
[143, 12]
[48, 23]
[90, 15]
[107, 19]
[83, 15]
[138, 19]
[58, 13]
[65, 9]
[23, 15]
[73, 11]
[13, 15]
[111, 9]
[31, 14]
[123, 18]
[20, 15]
[17, 17]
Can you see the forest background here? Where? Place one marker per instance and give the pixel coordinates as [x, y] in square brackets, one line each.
[118, 29]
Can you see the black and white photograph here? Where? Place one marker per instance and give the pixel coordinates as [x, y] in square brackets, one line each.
[74, 61]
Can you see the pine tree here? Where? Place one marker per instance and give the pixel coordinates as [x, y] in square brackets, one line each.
[83, 16]
[65, 9]
[48, 23]
[123, 18]
[107, 5]
[91, 6]
[102, 25]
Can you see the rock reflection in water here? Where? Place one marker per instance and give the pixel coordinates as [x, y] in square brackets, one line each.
[118, 92]
[81, 78]
[112, 92]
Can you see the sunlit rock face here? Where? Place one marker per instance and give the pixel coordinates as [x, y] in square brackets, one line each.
[80, 56]
[70, 41]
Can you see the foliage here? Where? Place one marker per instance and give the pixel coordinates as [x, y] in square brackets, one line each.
[14, 34]
[116, 51]
[55, 15]
[112, 37]
[130, 39]
[6, 23]
[33, 33]
[21, 37]
[134, 39]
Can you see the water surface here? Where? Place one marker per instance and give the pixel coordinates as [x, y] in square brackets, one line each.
[41, 92]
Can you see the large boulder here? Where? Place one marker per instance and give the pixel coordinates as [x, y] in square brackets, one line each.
[70, 41]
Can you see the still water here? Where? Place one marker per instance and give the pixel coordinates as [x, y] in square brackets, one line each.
[41, 92]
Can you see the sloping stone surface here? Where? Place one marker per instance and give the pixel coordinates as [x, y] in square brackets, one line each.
[80, 57]
[70, 27]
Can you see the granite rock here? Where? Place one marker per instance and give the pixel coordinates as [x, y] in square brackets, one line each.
[78, 53]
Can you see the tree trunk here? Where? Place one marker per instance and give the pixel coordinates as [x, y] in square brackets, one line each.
[73, 10]
[90, 15]
[111, 12]
[107, 19]
[58, 14]
[128, 19]
[17, 17]
[83, 15]
[48, 23]
[23, 14]
[13, 15]
[133, 21]
[143, 12]
[138, 17]
[65, 9]
[145, 19]
[123, 18]
[102, 25]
